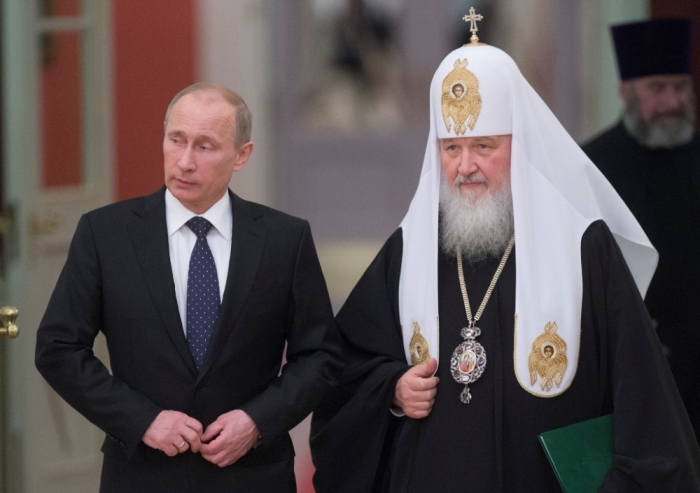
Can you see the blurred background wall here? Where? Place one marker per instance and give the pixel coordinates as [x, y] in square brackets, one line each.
[339, 94]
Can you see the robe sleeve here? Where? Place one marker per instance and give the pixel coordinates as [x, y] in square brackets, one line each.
[349, 428]
[654, 444]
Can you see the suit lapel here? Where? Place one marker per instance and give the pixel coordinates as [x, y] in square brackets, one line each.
[149, 237]
[248, 241]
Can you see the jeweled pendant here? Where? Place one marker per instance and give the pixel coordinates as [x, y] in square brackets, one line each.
[465, 396]
[468, 361]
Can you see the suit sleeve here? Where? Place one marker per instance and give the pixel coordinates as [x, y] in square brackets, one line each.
[64, 350]
[314, 362]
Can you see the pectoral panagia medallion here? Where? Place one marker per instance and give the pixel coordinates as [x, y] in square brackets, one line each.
[468, 361]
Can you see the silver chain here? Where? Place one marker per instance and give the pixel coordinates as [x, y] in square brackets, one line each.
[463, 286]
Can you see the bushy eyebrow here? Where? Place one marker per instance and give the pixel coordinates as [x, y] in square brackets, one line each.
[490, 139]
[486, 139]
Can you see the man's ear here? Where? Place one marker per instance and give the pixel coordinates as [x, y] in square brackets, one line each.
[243, 155]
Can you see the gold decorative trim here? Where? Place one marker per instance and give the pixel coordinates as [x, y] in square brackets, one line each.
[472, 18]
[418, 346]
[515, 364]
[461, 101]
[548, 358]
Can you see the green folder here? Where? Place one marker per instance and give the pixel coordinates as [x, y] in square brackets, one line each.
[580, 454]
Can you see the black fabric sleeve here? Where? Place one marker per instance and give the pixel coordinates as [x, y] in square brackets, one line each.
[64, 350]
[314, 362]
[654, 445]
[349, 428]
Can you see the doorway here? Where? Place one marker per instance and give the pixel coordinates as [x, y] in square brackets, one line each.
[56, 164]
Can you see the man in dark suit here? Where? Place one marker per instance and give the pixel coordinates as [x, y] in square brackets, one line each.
[197, 292]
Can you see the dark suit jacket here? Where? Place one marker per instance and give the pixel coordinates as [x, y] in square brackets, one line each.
[118, 279]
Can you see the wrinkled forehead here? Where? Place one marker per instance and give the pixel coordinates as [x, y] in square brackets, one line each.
[484, 107]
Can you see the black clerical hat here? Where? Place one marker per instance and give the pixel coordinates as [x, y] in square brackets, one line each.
[655, 47]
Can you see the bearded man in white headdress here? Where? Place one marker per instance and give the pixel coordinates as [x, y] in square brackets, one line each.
[508, 303]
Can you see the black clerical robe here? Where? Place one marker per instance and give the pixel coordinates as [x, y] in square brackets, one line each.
[490, 445]
[662, 189]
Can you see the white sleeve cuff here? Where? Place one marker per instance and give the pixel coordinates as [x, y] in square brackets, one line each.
[397, 411]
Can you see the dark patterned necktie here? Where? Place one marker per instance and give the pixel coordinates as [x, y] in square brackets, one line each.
[202, 292]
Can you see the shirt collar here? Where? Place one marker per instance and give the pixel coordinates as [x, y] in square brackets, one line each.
[219, 215]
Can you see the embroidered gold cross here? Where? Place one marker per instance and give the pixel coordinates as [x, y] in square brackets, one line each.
[472, 18]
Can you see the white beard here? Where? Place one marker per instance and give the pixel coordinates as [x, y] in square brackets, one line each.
[479, 228]
[655, 136]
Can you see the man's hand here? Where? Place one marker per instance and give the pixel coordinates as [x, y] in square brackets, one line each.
[416, 389]
[229, 438]
[173, 432]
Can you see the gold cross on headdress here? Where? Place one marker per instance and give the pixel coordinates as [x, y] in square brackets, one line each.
[472, 18]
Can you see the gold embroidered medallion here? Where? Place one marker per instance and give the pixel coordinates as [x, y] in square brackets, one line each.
[461, 101]
[548, 358]
[418, 346]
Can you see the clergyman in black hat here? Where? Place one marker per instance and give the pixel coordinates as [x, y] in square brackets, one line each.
[652, 158]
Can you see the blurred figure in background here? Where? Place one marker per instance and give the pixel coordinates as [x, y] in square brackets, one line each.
[652, 158]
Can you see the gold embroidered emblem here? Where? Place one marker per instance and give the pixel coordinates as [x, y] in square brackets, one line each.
[461, 101]
[548, 358]
[418, 346]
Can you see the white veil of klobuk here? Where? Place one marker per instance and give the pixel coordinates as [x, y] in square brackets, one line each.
[557, 193]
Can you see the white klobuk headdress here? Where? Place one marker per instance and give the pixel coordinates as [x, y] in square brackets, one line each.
[557, 194]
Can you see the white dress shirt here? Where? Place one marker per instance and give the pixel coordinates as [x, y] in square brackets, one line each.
[181, 240]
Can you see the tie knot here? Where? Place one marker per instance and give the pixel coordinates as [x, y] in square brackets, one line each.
[199, 226]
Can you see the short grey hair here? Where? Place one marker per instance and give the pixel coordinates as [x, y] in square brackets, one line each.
[244, 118]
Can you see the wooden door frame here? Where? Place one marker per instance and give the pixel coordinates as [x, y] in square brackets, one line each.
[32, 248]
[3, 344]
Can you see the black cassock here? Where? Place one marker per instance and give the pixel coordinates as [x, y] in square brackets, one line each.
[490, 445]
[662, 189]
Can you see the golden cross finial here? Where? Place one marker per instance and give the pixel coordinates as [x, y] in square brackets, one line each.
[472, 18]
